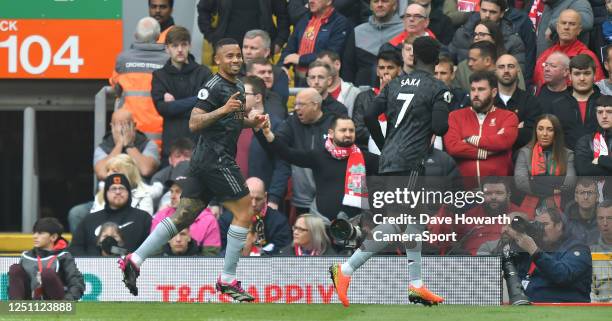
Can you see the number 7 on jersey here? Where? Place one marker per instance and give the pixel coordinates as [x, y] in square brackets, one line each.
[407, 98]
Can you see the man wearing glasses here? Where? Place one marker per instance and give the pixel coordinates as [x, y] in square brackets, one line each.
[582, 211]
[568, 27]
[416, 23]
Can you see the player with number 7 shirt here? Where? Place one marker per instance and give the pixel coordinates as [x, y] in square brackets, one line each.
[416, 108]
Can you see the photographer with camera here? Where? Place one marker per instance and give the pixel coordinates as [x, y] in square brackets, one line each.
[559, 267]
[110, 240]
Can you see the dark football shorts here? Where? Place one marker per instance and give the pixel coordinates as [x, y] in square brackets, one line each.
[223, 182]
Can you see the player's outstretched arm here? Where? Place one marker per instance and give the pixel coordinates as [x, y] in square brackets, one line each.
[201, 119]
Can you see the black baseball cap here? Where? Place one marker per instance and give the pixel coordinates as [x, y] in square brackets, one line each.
[178, 174]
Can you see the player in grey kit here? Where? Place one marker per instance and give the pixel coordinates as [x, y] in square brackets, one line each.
[218, 117]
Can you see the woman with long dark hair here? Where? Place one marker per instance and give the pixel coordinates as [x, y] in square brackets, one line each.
[490, 31]
[545, 167]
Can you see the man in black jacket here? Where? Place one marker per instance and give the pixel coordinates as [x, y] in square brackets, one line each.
[305, 129]
[175, 88]
[576, 112]
[334, 166]
[135, 224]
[47, 272]
[388, 66]
[592, 150]
[510, 97]
[236, 17]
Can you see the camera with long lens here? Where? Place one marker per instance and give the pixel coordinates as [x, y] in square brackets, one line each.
[516, 293]
[346, 232]
[534, 229]
[510, 251]
[110, 246]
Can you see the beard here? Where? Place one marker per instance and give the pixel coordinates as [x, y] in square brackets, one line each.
[345, 143]
[507, 82]
[499, 209]
[482, 104]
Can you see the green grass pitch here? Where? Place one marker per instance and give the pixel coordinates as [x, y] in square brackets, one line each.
[300, 312]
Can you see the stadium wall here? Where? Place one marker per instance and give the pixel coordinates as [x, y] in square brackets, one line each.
[382, 280]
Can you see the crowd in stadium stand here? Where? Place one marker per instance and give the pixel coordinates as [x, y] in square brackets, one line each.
[529, 99]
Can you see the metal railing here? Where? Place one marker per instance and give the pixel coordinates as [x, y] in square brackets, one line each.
[30, 201]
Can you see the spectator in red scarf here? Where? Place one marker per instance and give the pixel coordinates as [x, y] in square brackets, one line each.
[322, 28]
[339, 167]
[545, 167]
[593, 150]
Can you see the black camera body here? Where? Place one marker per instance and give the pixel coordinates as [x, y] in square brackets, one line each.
[110, 246]
[534, 229]
[346, 232]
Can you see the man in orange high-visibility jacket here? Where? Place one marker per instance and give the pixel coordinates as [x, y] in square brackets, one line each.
[161, 10]
[133, 74]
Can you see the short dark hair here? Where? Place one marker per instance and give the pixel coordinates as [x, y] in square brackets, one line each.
[318, 63]
[555, 215]
[181, 144]
[178, 34]
[604, 100]
[489, 76]
[490, 180]
[487, 49]
[426, 50]
[339, 117]
[502, 4]
[390, 55]
[586, 182]
[225, 42]
[257, 61]
[259, 87]
[170, 3]
[49, 225]
[328, 53]
[444, 59]
[582, 61]
[607, 203]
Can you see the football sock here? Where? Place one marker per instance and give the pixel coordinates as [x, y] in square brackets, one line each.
[368, 249]
[413, 253]
[162, 233]
[236, 238]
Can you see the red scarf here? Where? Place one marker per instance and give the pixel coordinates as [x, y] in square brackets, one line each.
[355, 193]
[539, 166]
[307, 44]
[600, 147]
[535, 14]
[302, 252]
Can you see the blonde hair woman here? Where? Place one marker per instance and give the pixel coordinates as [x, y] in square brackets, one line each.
[309, 237]
[124, 164]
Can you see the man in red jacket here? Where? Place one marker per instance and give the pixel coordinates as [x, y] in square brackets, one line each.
[569, 27]
[480, 137]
